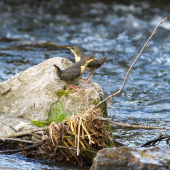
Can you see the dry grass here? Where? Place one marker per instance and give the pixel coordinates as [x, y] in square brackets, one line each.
[79, 138]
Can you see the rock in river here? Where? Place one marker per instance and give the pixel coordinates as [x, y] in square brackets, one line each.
[27, 96]
[128, 158]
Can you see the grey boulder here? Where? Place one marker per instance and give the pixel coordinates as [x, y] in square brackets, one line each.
[27, 96]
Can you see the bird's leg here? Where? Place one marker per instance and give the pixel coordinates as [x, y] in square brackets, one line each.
[89, 81]
[87, 76]
[75, 88]
[86, 79]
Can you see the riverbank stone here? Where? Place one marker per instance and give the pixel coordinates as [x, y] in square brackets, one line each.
[128, 158]
[30, 94]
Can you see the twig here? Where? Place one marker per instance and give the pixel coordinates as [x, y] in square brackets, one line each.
[135, 126]
[74, 149]
[78, 138]
[18, 140]
[37, 136]
[109, 97]
[153, 142]
[11, 151]
[73, 154]
[23, 149]
[23, 133]
[10, 127]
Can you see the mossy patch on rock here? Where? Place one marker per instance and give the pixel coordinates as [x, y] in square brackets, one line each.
[41, 123]
[62, 93]
[95, 102]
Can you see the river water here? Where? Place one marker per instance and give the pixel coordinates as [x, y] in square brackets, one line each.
[114, 28]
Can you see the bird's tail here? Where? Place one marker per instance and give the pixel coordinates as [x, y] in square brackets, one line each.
[58, 70]
[102, 60]
[105, 57]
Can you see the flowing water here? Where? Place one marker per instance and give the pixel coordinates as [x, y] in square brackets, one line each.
[116, 29]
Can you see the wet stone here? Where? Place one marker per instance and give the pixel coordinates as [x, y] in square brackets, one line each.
[126, 158]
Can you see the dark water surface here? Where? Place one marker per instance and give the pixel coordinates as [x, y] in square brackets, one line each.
[116, 29]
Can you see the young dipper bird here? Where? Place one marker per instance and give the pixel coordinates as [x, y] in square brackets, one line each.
[79, 55]
[75, 71]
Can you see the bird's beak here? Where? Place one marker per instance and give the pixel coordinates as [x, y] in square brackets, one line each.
[69, 48]
[94, 59]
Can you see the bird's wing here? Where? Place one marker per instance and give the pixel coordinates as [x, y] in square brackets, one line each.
[94, 63]
[97, 63]
[71, 74]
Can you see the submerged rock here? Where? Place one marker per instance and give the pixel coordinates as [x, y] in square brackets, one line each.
[124, 158]
[31, 93]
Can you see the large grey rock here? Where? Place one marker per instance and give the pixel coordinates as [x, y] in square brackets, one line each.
[127, 158]
[27, 95]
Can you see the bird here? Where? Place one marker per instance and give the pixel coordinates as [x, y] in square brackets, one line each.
[78, 54]
[74, 72]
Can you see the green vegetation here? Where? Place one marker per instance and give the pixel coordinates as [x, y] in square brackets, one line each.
[95, 102]
[62, 93]
[40, 123]
[56, 114]
[101, 109]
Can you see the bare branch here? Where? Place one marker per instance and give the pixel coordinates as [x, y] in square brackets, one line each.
[23, 133]
[153, 142]
[135, 126]
[34, 146]
[18, 140]
[109, 97]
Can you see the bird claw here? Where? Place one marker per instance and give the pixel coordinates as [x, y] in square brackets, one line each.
[75, 88]
[87, 82]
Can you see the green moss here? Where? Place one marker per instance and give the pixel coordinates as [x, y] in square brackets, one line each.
[65, 87]
[62, 93]
[101, 106]
[95, 102]
[40, 123]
